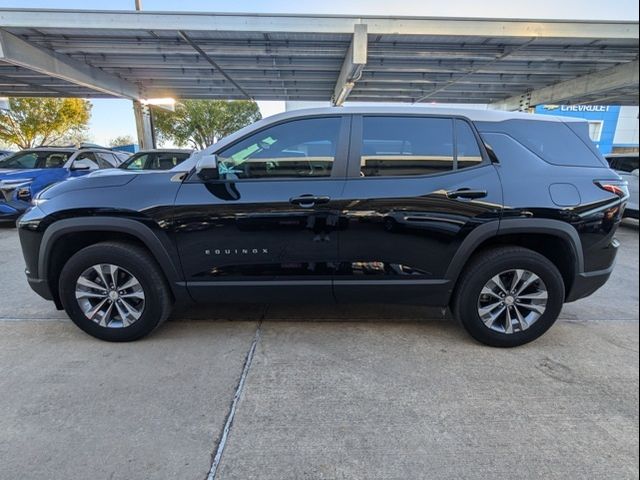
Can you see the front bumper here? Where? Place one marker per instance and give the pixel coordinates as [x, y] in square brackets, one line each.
[40, 286]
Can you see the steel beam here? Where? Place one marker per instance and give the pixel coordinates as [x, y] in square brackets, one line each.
[16, 51]
[620, 76]
[144, 126]
[354, 61]
[84, 20]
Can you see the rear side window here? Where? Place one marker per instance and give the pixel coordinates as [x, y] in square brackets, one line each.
[554, 142]
[395, 146]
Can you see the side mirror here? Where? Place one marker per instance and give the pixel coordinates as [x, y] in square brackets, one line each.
[207, 168]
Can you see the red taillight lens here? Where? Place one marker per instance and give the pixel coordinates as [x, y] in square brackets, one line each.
[617, 188]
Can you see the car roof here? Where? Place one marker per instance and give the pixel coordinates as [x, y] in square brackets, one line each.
[51, 149]
[165, 150]
[473, 114]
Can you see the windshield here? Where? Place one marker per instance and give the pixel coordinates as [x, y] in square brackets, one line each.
[36, 159]
[154, 160]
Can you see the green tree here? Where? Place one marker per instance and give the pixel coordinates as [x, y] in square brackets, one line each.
[121, 141]
[33, 122]
[199, 123]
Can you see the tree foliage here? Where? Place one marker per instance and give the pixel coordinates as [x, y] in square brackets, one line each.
[121, 141]
[199, 123]
[34, 122]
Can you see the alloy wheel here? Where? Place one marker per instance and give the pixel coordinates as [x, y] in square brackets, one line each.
[110, 296]
[512, 301]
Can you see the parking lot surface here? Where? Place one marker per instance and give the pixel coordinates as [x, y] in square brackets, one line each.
[330, 392]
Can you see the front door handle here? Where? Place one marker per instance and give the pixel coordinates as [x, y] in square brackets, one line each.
[307, 201]
[466, 193]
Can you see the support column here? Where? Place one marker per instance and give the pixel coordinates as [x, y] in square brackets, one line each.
[144, 126]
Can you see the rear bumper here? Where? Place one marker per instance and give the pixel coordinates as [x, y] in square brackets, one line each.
[586, 283]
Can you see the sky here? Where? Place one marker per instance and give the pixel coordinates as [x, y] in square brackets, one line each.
[111, 118]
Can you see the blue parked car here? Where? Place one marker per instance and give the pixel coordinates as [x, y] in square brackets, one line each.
[24, 174]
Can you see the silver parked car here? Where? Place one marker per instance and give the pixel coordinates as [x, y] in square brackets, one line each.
[626, 165]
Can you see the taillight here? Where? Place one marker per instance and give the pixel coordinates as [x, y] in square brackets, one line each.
[619, 188]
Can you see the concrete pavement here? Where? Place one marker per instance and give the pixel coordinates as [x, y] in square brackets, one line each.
[333, 392]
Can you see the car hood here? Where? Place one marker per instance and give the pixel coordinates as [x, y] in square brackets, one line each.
[9, 174]
[116, 179]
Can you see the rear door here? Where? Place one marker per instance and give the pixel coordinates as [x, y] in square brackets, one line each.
[416, 187]
[267, 228]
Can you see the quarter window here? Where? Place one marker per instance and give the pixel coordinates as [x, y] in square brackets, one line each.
[467, 151]
[394, 146]
[301, 148]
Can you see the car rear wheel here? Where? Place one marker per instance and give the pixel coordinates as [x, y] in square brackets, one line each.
[508, 296]
[114, 291]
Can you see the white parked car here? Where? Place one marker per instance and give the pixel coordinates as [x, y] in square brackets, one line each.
[626, 165]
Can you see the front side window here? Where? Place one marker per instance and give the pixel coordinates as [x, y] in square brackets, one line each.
[297, 149]
[398, 146]
[155, 161]
[35, 159]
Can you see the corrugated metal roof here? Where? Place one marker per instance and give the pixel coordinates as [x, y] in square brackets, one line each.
[299, 65]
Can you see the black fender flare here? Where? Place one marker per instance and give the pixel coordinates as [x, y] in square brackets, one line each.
[159, 246]
[496, 228]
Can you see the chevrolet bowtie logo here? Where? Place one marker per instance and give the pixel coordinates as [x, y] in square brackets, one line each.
[237, 251]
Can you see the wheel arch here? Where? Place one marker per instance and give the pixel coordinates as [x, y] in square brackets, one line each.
[81, 232]
[556, 240]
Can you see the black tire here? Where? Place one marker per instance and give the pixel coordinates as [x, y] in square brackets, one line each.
[138, 262]
[486, 265]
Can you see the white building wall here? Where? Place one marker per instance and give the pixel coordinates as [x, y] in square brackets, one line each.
[627, 129]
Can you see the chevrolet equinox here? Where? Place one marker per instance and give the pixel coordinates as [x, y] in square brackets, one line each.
[501, 216]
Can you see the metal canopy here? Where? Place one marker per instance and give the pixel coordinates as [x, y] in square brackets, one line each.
[137, 55]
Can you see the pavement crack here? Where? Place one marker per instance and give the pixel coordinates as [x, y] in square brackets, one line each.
[226, 431]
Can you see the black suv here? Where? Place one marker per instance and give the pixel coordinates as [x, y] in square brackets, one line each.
[501, 216]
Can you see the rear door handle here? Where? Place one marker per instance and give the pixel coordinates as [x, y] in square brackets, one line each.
[467, 193]
[308, 201]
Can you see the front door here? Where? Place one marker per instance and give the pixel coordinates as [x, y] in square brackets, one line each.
[269, 224]
[417, 186]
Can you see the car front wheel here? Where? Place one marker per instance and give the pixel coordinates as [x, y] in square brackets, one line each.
[114, 291]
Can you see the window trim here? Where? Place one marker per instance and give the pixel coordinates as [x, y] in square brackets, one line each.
[355, 146]
[338, 170]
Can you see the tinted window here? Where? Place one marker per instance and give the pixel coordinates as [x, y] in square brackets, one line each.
[36, 159]
[393, 146]
[155, 161]
[301, 148]
[467, 152]
[554, 142]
